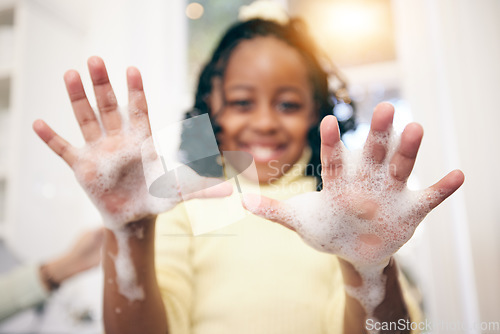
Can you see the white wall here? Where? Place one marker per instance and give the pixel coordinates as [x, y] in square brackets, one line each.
[150, 35]
[47, 208]
[449, 51]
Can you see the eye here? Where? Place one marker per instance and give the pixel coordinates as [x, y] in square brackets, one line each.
[241, 105]
[289, 107]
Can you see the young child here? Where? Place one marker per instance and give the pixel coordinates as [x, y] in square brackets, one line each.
[266, 94]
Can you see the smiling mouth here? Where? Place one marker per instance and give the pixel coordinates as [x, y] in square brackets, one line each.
[264, 153]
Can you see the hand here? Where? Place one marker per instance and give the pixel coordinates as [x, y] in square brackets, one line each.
[110, 167]
[83, 255]
[365, 212]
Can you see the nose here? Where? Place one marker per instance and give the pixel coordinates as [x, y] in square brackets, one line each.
[265, 119]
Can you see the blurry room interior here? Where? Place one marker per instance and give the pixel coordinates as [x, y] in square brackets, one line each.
[436, 61]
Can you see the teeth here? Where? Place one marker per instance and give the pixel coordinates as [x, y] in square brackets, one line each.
[260, 152]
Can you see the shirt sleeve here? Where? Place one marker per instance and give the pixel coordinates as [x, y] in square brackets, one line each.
[173, 247]
[334, 319]
[20, 288]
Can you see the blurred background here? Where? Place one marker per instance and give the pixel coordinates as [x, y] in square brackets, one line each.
[437, 61]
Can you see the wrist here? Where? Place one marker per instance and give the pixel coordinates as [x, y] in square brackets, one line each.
[140, 236]
[53, 273]
[135, 227]
[351, 273]
[393, 307]
[140, 226]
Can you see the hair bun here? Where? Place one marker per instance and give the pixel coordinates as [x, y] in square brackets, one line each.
[265, 10]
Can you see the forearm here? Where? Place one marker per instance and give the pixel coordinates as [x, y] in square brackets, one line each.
[392, 309]
[139, 316]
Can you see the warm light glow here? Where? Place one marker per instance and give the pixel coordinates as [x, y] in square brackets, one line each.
[194, 10]
[352, 20]
[353, 31]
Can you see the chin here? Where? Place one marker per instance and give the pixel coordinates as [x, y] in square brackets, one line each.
[269, 173]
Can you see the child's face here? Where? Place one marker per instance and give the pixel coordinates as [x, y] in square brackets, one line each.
[269, 105]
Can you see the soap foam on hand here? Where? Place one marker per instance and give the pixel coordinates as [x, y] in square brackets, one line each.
[114, 179]
[364, 216]
[116, 172]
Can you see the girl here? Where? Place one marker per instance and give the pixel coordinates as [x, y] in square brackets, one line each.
[266, 95]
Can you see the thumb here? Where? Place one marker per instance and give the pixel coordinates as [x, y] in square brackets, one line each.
[271, 209]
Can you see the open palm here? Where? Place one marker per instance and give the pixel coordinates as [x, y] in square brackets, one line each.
[364, 213]
[119, 154]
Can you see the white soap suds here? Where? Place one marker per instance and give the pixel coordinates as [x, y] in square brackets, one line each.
[139, 232]
[362, 215]
[117, 171]
[126, 277]
[371, 292]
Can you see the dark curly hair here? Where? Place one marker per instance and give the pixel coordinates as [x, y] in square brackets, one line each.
[322, 79]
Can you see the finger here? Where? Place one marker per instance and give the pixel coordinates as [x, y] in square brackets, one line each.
[270, 209]
[105, 97]
[403, 160]
[377, 142]
[138, 107]
[84, 114]
[60, 146]
[438, 192]
[331, 148]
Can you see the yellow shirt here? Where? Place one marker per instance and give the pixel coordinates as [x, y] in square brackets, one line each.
[252, 276]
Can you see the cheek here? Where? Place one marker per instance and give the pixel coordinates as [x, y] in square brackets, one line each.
[298, 128]
[230, 128]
